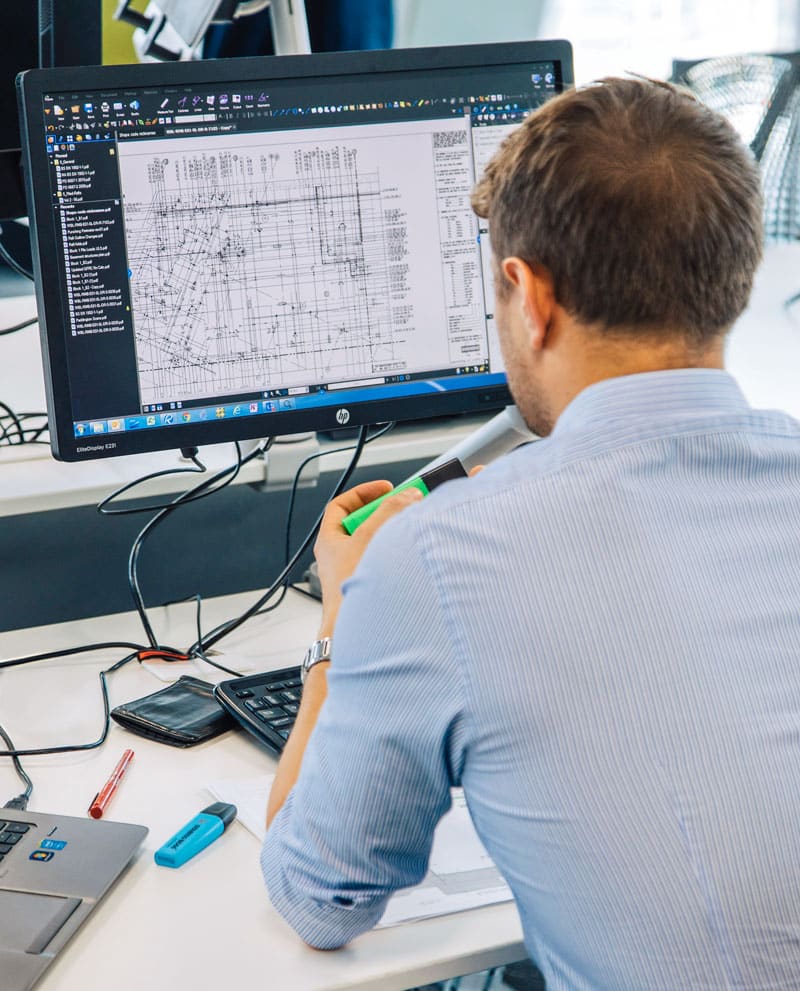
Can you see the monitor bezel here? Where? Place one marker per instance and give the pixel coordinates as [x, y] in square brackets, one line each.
[34, 84]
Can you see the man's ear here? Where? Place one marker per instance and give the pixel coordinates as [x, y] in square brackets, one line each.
[532, 287]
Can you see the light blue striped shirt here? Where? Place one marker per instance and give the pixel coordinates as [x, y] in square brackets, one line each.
[599, 639]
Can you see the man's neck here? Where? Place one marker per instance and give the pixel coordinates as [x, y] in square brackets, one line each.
[599, 358]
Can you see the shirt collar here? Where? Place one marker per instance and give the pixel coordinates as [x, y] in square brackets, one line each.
[653, 397]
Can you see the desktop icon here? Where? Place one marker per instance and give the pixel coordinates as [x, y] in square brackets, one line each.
[253, 407]
[116, 425]
[150, 421]
[167, 419]
[186, 417]
[220, 412]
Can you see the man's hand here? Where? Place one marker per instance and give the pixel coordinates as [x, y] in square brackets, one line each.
[338, 553]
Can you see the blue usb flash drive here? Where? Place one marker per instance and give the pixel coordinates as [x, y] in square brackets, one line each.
[196, 835]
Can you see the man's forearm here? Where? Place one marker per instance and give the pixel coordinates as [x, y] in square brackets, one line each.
[315, 691]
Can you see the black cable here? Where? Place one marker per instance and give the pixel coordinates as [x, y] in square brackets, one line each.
[301, 468]
[18, 326]
[21, 801]
[199, 629]
[284, 589]
[144, 653]
[203, 489]
[304, 591]
[14, 417]
[102, 506]
[74, 748]
[12, 263]
[17, 429]
[228, 627]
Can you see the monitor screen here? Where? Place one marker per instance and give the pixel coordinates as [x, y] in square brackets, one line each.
[244, 248]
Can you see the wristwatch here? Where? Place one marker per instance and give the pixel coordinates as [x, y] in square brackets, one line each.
[320, 650]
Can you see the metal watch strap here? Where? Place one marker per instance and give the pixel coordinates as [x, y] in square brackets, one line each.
[320, 650]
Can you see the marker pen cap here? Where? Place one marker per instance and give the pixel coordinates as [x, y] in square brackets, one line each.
[196, 835]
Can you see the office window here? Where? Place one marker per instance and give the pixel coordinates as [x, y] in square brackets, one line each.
[645, 35]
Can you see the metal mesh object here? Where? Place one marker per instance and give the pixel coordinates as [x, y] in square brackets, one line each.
[760, 96]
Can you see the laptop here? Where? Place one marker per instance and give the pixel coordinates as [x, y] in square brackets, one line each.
[53, 871]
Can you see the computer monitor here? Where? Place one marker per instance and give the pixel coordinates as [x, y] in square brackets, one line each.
[236, 249]
[37, 33]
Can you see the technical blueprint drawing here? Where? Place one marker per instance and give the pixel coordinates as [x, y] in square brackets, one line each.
[263, 261]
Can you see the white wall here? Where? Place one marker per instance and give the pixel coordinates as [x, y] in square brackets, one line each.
[609, 36]
[456, 22]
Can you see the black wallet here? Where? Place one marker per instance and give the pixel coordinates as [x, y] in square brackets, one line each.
[181, 714]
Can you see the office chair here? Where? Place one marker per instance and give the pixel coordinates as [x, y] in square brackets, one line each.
[760, 96]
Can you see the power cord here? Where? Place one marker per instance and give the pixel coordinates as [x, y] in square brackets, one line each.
[15, 431]
[301, 468]
[203, 489]
[138, 652]
[19, 326]
[21, 801]
[205, 643]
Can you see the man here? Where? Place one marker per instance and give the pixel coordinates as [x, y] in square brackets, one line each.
[599, 636]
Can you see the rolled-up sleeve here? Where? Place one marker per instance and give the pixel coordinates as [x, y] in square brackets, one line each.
[388, 746]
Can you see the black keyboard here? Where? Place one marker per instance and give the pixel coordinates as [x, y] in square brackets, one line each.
[10, 834]
[264, 704]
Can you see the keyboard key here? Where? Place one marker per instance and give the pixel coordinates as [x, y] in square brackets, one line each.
[18, 827]
[6, 838]
[292, 708]
[268, 714]
[244, 694]
[273, 700]
[6, 848]
[284, 733]
[292, 683]
[291, 695]
[254, 704]
[284, 721]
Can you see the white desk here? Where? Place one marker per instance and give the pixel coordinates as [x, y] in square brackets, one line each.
[208, 925]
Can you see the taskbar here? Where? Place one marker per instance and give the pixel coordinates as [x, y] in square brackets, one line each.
[282, 404]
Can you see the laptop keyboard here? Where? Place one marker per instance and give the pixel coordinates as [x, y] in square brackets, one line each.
[264, 704]
[10, 834]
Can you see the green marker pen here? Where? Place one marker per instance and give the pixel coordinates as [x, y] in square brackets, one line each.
[426, 483]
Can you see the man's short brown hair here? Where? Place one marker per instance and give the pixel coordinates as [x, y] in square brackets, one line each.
[643, 204]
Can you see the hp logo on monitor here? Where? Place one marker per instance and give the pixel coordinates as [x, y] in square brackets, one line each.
[342, 416]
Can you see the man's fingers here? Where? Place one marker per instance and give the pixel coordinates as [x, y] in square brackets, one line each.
[348, 502]
[388, 508]
[474, 471]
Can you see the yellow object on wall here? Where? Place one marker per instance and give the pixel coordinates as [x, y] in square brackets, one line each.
[117, 36]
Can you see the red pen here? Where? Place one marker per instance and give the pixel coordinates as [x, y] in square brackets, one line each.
[103, 797]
